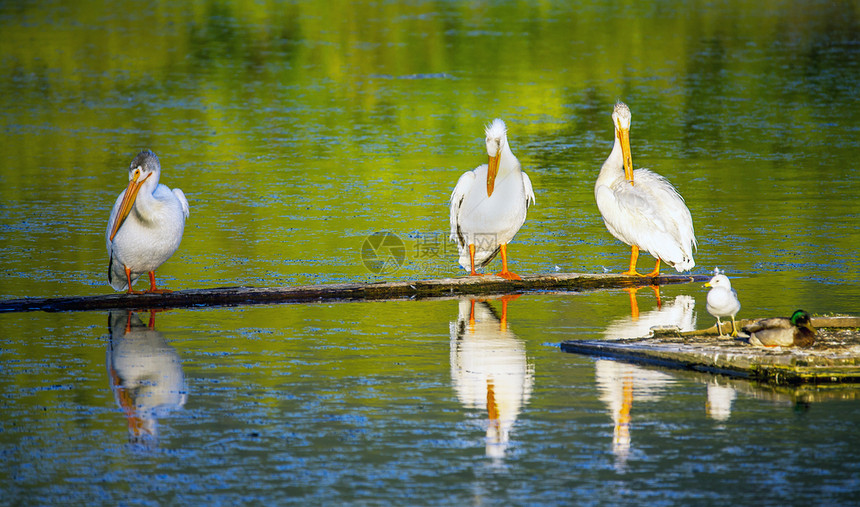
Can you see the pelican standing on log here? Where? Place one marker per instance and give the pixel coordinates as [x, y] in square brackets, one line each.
[641, 208]
[145, 226]
[485, 218]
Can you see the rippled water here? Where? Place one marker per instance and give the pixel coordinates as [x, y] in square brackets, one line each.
[297, 134]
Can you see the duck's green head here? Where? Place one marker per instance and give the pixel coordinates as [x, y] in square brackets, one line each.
[801, 319]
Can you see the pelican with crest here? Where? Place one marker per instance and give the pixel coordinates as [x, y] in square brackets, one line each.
[145, 226]
[489, 205]
[641, 208]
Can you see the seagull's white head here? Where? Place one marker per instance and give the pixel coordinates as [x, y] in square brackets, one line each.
[720, 282]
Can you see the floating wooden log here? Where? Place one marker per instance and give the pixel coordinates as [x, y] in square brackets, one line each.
[473, 285]
[835, 357]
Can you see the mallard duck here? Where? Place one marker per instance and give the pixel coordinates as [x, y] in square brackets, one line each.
[723, 301]
[641, 208]
[781, 332]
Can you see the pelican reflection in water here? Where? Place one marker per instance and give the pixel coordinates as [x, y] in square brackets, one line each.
[620, 384]
[490, 369]
[145, 374]
[679, 312]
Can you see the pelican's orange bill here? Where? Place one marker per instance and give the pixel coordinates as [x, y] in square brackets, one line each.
[127, 202]
[624, 137]
[492, 170]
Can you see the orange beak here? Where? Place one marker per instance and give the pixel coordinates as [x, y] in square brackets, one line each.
[624, 137]
[127, 202]
[492, 169]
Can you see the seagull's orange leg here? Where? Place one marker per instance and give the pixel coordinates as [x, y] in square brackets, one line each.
[656, 271]
[153, 288]
[505, 273]
[634, 256]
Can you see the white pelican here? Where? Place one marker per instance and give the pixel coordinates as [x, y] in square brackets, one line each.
[485, 218]
[642, 208]
[141, 241]
[723, 301]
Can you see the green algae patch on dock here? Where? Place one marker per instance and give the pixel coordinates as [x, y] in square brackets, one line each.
[834, 359]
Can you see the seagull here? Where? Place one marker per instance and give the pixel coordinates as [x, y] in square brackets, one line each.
[641, 208]
[145, 225]
[723, 301]
[485, 218]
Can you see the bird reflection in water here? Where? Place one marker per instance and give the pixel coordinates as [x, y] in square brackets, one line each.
[720, 398]
[620, 384]
[145, 374]
[679, 312]
[490, 369]
[634, 305]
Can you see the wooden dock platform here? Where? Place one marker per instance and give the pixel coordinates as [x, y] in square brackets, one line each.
[834, 359]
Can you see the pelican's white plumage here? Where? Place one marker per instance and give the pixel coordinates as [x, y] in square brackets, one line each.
[145, 225]
[489, 204]
[723, 301]
[642, 208]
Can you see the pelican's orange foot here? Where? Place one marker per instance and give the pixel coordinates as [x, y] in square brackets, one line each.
[152, 288]
[632, 273]
[509, 275]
